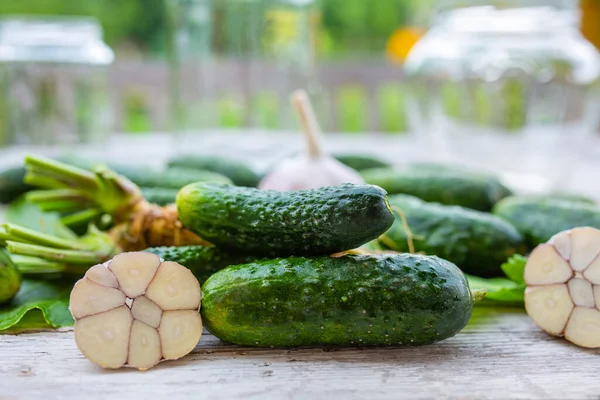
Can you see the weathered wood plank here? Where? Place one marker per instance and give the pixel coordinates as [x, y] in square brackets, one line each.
[500, 355]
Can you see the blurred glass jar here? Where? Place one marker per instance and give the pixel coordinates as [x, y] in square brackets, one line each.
[235, 62]
[53, 81]
[509, 86]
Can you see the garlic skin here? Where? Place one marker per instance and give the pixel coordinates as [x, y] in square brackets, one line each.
[308, 172]
[314, 168]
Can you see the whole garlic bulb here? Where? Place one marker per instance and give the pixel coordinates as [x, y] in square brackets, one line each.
[314, 168]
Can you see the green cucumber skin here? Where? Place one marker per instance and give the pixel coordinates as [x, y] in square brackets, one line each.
[452, 186]
[540, 219]
[361, 162]
[174, 178]
[160, 196]
[375, 300]
[573, 198]
[203, 261]
[280, 224]
[478, 242]
[12, 185]
[239, 173]
[10, 278]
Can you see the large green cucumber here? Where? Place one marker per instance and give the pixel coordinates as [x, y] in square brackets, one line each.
[203, 261]
[361, 162]
[239, 173]
[378, 300]
[570, 197]
[540, 219]
[440, 184]
[12, 185]
[305, 222]
[476, 241]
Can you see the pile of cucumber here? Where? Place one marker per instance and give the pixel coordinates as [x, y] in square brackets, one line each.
[302, 289]
[382, 263]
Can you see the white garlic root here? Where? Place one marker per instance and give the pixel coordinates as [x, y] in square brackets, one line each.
[314, 168]
[563, 286]
[136, 311]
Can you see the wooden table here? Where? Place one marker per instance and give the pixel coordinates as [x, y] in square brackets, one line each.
[500, 355]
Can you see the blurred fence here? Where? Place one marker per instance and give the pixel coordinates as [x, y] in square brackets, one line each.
[352, 97]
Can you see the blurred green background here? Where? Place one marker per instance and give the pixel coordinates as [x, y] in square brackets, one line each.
[373, 32]
[348, 27]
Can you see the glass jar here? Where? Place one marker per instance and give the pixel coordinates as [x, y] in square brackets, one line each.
[235, 62]
[53, 81]
[510, 86]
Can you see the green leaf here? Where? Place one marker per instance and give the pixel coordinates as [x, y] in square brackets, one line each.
[514, 268]
[29, 215]
[498, 289]
[49, 297]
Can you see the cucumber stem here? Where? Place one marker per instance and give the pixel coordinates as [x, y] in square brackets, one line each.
[409, 234]
[308, 120]
[478, 294]
[388, 242]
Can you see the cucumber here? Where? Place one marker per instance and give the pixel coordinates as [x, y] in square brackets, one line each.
[203, 261]
[159, 195]
[239, 173]
[174, 178]
[10, 278]
[571, 197]
[374, 300]
[540, 219]
[361, 162]
[478, 242]
[279, 224]
[12, 185]
[434, 183]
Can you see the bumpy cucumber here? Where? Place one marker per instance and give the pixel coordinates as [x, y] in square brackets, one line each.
[450, 186]
[175, 178]
[305, 222]
[12, 185]
[239, 173]
[540, 219]
[353, 300]
[203, 261]
[477, 242]
[10, 278]
[159, 195]
[571, 197]
[361, 162]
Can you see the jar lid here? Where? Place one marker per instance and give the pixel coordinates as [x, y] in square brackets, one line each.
[74, 40]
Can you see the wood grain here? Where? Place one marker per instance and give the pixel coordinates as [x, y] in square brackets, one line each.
[500, 355]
